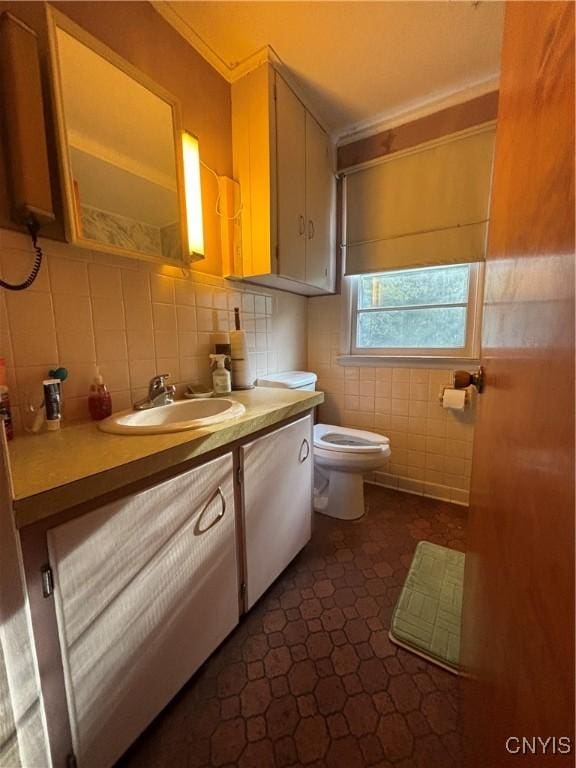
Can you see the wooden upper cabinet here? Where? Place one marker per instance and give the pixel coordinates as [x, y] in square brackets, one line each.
[320, 207]
[291, 124]
[283, 163]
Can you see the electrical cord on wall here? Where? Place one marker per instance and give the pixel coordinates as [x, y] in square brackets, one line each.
[32, 226]
[218, 211]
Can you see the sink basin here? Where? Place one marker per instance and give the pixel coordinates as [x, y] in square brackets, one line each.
[175, 417]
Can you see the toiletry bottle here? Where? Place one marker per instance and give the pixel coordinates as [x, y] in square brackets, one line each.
[52, 403]
[221, 343]
[5, 413]
[99, 399]
[220, 376]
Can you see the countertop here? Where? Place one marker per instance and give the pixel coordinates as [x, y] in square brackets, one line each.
[53, 471]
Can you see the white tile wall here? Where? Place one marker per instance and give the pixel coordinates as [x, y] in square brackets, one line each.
[131, 318]
[134, 319]
[431, 447]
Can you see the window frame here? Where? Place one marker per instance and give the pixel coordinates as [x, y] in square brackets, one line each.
[471, 348]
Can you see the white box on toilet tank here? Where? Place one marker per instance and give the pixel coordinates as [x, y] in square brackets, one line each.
[289, 380]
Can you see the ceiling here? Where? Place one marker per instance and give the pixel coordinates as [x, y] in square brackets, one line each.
[359, 64]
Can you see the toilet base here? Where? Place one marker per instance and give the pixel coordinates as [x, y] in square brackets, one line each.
[344, 498]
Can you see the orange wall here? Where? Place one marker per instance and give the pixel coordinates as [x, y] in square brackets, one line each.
[140, 35]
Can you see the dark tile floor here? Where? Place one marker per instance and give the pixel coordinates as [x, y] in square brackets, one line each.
[309, 677]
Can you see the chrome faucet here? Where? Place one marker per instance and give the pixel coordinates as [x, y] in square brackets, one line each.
[159, 393]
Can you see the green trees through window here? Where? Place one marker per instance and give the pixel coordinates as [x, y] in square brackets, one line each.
[413, 309]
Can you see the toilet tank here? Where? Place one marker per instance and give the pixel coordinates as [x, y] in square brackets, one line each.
[289, 380]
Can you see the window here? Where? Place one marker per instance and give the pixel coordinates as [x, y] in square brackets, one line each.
[416, 312]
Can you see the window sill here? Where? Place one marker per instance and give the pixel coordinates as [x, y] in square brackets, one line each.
[418, 361]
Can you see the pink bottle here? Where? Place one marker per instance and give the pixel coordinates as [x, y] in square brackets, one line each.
[99, 399]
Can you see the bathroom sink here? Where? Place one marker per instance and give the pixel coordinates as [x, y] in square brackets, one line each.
[175, 417]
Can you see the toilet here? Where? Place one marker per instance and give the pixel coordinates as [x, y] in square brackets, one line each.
[341, 456]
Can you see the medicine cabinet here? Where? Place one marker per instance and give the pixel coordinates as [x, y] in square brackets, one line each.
[120, 151]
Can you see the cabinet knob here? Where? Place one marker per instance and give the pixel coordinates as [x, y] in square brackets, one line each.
[301, 225]
[310, 229]
[304, 451]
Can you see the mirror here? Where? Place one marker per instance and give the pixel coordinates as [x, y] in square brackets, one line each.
[120, 150]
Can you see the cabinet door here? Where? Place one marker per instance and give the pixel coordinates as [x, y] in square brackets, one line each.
[146, 588]
[277, 502]
[320, 205]
[291, 182]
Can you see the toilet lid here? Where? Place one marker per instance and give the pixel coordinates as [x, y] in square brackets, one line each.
[288, 379]
[346, 440]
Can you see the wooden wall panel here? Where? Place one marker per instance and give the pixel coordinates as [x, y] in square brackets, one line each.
[518, 640]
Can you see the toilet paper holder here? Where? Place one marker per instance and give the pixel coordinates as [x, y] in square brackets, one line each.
[463, 379]
[467, 398]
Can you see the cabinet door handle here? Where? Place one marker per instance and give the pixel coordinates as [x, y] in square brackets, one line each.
[304, 451]
[310, 229]
[198, 527]
[301, 225]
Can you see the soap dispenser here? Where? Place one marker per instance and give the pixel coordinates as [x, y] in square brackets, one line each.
[99, 399]
[221, 376]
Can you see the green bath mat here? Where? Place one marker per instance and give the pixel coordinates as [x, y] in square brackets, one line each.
[427, 616]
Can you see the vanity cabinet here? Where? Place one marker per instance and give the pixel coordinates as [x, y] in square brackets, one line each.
[131, 595]
[277, 496]
[283, 162]
[145, 588]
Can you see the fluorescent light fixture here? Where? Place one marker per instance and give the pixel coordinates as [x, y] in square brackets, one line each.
[193, 193]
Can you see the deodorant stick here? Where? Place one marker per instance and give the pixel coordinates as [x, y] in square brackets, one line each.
[53, 403]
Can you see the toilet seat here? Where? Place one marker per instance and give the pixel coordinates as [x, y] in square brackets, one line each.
[348, 441]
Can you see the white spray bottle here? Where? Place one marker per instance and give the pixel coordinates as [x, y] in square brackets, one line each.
[221, 376]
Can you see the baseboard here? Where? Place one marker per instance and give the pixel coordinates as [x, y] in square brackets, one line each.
[426, 493]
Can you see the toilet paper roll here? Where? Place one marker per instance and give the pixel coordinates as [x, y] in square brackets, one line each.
[455, 399]
[238, 344]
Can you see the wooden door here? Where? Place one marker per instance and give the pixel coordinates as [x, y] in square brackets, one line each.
[277, 487]
[518, 640]
[146, 588]
[291, 182]
[320, 189]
